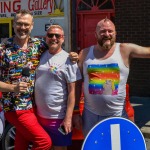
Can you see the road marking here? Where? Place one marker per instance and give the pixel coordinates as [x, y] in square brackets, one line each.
[115, 137]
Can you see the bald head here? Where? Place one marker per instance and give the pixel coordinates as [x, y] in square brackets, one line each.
[103, 22]
[105, 34]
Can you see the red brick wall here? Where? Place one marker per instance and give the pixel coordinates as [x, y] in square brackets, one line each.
[132, 19]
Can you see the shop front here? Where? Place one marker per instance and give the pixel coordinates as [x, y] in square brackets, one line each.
[77, 17]
[45, 12]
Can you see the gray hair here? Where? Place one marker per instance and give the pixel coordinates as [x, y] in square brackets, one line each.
[55, 26]
[23, 12]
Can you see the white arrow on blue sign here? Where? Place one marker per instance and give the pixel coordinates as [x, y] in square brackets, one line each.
[114, 134]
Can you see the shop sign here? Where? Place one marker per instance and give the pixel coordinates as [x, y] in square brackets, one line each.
[8, 8]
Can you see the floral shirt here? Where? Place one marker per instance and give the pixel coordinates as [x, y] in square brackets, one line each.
[12, 61]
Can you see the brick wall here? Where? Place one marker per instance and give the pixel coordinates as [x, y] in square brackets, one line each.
[132, 19]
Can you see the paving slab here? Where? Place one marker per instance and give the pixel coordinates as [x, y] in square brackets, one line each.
[141, 107]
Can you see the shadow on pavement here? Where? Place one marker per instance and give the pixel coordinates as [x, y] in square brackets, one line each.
[141, 107]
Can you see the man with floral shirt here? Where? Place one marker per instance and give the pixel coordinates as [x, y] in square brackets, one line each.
[19, 57]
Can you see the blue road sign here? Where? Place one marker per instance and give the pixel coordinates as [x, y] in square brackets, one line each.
[114, 134]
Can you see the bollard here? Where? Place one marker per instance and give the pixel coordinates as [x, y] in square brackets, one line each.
[129, 109]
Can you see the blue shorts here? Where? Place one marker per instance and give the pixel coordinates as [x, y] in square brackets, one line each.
[89, 120]
[51, 126]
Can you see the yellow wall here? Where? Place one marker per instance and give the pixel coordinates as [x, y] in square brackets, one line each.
[7, 20]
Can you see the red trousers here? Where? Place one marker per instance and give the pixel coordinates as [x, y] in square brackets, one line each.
[28, 130]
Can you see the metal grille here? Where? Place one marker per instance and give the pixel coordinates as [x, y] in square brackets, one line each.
[94, 5]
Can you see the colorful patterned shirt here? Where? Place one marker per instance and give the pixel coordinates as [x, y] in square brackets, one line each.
[12, 61]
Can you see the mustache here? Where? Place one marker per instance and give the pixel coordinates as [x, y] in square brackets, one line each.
[107, 38]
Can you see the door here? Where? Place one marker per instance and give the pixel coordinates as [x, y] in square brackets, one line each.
[90, 21]
[89, 13]
[5, 28]
[86, 25]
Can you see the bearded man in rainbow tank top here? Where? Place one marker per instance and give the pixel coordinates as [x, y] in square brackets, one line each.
[105, 69]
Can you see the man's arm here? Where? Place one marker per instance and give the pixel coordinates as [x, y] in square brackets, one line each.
[129, 51]
[20, 87]
[67, 122]
[134, 51]
[82, 56]
[77, 121]
[78, 86]
[78, 58]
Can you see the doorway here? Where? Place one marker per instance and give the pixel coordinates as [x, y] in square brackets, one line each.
[5, 29]
[88, 13]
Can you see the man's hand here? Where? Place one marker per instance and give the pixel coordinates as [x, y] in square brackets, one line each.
[20, 87]
[74, 57]
[67, 123]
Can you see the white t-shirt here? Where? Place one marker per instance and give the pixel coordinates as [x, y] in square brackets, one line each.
[52, 76]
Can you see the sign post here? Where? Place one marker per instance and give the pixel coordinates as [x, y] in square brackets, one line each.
[114, 134]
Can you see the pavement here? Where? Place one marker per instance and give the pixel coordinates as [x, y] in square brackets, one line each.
[141, 107]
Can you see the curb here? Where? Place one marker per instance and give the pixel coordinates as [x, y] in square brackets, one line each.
[146, 130]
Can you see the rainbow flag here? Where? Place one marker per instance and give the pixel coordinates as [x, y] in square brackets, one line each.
[103, 78]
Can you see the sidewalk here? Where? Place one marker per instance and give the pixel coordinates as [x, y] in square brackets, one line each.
[141, 107]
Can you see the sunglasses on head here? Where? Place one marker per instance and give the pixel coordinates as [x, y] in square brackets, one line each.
[51, 35]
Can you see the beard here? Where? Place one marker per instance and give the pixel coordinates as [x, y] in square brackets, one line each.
[106, 45]
[22, 36]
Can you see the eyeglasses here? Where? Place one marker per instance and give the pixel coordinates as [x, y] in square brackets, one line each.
[19, 24]
[51, 35]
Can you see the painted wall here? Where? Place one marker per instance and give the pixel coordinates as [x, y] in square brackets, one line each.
[132, 19]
